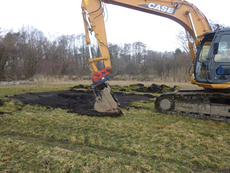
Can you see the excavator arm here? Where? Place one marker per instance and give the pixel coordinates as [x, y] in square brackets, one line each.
[94, 22]
[92, 11]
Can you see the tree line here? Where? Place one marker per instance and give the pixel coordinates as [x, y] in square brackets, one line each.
[28, 52]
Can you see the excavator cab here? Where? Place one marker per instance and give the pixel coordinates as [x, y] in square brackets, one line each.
[213, 58]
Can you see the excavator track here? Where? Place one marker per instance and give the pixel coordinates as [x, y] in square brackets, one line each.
[199, 104]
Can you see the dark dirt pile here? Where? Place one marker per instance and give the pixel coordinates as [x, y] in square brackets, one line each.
[80, 98]
[154, 88]
[81, 102]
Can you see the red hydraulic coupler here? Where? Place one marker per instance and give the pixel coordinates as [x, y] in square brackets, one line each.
[102, 73]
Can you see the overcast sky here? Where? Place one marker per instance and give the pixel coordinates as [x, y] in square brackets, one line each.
[123, 26]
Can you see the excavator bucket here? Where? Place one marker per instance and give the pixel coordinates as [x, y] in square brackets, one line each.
[105, 102]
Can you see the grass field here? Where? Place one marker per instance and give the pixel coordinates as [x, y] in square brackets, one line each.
[42, 139]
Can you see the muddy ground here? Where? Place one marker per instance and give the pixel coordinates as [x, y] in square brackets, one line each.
[81, 102]
[80, 99]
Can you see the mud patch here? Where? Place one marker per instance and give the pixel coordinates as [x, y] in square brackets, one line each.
[81, 102]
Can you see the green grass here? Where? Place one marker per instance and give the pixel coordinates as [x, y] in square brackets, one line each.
[39, 139]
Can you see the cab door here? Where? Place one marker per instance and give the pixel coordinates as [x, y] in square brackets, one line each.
[202, 60]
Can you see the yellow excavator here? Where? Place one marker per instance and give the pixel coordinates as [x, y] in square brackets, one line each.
[210, 51]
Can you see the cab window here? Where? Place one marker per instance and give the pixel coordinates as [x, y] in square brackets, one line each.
[204, 52]
[223, 54]
[201, 64]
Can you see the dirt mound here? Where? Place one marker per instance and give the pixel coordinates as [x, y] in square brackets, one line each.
[81, 102]
[154, 88]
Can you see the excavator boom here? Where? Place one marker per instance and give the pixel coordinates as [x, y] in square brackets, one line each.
[179, 11]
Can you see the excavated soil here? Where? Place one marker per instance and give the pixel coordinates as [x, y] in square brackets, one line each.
[81, 102]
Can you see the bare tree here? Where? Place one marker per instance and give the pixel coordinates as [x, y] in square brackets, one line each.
[127, 52]
[138, 49]
[9, 59]
[31, 48]
[183, 40]
[159, 65]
